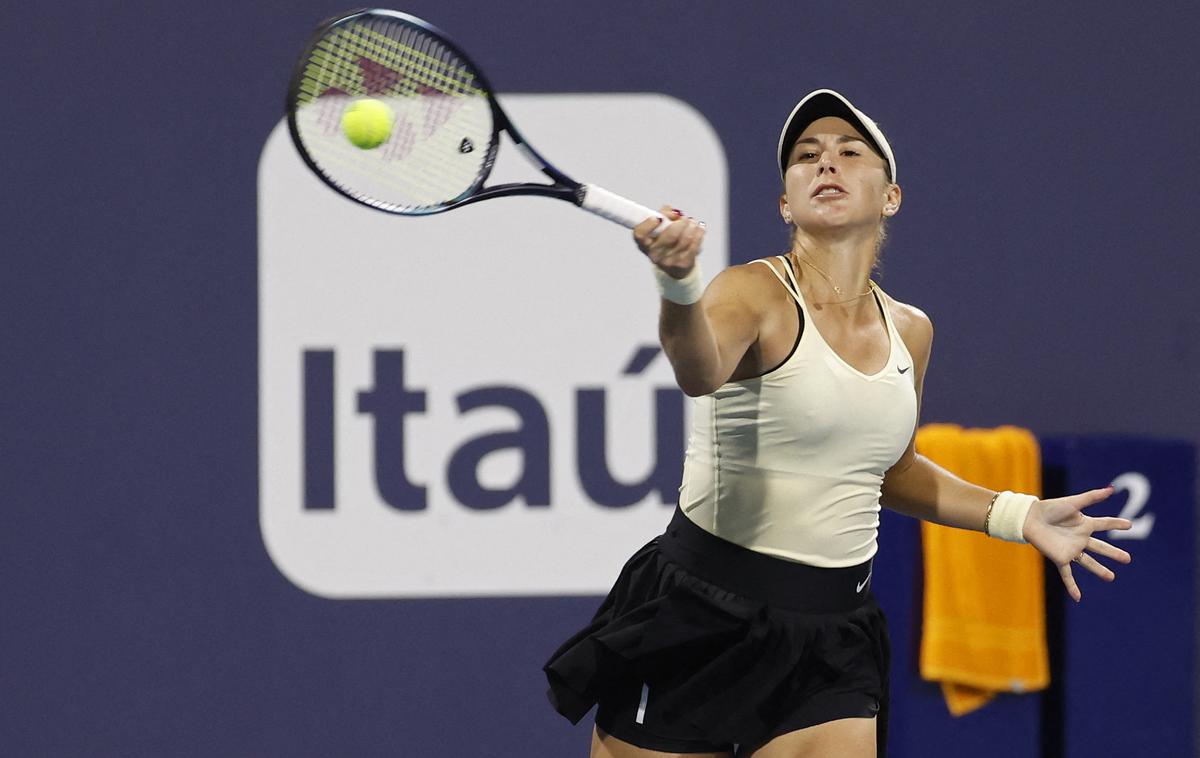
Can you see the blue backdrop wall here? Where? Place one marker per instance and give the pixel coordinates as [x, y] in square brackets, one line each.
[1049, 229]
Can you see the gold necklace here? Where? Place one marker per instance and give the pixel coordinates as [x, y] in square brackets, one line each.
[837, 289]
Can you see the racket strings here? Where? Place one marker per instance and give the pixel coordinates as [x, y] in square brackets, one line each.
[440, 70]
[439, 143]
[339, 70]
[343, 60]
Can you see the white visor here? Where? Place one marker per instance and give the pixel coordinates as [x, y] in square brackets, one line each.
[825, 102]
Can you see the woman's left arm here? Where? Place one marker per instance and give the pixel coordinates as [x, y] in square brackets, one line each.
[915, 485]
[918, 487]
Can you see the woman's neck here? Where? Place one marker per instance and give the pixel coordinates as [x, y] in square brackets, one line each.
[841, 266]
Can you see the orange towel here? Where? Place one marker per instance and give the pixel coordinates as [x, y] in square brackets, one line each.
[985, 611]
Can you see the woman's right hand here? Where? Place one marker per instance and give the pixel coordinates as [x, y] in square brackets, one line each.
[676, 248]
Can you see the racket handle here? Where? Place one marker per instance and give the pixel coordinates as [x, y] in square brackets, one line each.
[622, 210]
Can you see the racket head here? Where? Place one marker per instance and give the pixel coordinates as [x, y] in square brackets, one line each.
[445, 123]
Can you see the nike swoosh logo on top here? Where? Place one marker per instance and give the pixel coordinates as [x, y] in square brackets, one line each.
[859, 588]
[906, 368]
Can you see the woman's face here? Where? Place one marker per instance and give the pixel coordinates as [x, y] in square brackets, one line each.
[834, 179]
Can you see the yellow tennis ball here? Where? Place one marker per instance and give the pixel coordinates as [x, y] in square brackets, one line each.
[367, 122]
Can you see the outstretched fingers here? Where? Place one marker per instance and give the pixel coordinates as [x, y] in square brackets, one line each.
[1100, 547]
[1109, 523]
[1091, 497]
[1096, 567]
[1069, 580]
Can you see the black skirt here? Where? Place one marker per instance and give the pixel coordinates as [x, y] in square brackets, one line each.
[707, 645]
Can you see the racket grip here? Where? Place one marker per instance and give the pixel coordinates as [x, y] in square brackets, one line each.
[619, 209]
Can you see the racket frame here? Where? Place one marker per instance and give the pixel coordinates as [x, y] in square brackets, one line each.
[563, 188]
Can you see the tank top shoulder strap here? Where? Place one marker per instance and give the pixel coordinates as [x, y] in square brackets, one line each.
[882, 298]
[789, 284]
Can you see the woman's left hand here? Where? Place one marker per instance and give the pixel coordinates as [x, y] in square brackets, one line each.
[1063, 534]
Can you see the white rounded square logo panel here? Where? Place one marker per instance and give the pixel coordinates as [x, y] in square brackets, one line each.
[474, 403]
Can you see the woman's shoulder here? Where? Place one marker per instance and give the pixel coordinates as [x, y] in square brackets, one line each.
[755, 269]
[753, 279]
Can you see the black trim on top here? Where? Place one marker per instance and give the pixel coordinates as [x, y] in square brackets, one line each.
[796, 344]
[799, 331]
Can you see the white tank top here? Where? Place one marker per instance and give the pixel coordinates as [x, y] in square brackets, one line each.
[791, 463]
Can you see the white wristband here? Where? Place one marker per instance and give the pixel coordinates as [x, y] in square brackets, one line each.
[685, 291]
[1006, 516]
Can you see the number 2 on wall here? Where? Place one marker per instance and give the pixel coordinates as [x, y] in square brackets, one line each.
[1138, 487]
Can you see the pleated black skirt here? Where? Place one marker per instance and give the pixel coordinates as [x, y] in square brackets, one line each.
[703, 645]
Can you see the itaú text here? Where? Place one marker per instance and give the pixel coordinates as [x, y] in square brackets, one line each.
[389, 401]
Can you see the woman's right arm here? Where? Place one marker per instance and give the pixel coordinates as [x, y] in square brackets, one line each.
[704, 341]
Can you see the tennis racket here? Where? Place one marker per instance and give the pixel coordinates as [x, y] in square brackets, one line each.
[437, 122]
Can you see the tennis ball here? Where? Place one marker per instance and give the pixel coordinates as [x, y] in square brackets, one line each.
[367, 122]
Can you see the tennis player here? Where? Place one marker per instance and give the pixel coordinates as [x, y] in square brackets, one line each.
[749, 627]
